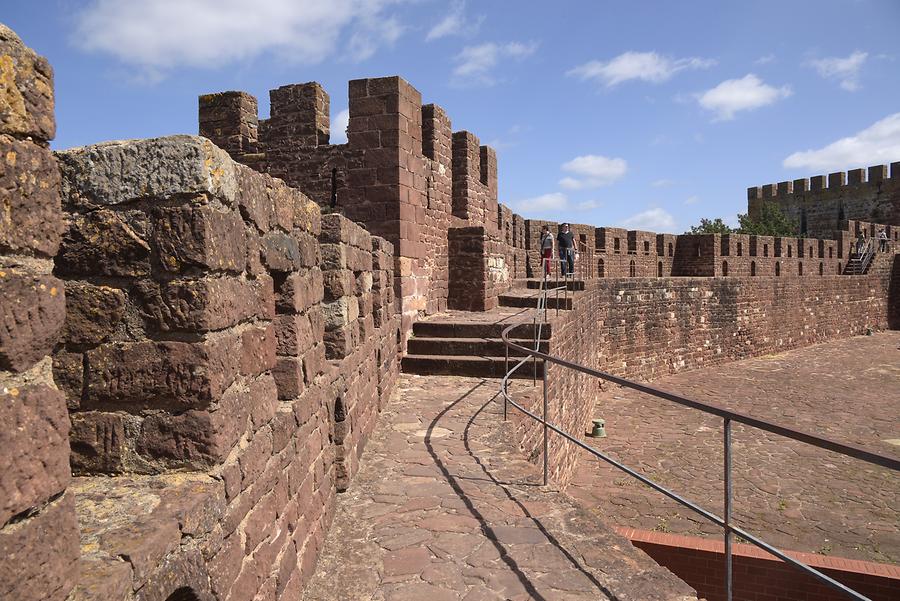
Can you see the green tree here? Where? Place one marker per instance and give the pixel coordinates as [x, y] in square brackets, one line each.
[771, 221]
[711, 226]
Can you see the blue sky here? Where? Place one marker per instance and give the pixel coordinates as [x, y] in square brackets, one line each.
[646, 115]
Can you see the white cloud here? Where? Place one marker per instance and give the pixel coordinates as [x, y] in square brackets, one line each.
[877, 144]
[654, 220]
[587, 205]
[662, 183]
[846, 70]
[733, 95]
[475, 63]
[645, 66]
[692, 200]
[765, 60]
[592, 171]
[555, 201]
[455, 23]
[162, 35]
[339, 127]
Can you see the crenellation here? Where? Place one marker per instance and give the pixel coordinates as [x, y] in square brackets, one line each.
[817, 182]
[819, 206]
[856, 176]
[877, 173]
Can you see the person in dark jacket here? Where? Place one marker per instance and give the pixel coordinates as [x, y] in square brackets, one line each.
[565, 241]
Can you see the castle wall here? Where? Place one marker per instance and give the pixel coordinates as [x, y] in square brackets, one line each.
[224, 342]
[402, 174]
[645, 328]
[35, 506]
[478, 270]
[819, 205]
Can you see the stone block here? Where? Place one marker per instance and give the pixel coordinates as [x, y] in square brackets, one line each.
[288, 375]
[201, 237]
[30, 568]
[143, 544]
[314, 363]
[281, 252]
[200, 438]
[92, 312]
[113, 173]
[297, 292]
[338, 283]
[33, 313]
[294, 334]
[68, 373]
[106, 243]
[178, 375]
[98, 442]
[211, 303]
[31, 220]
[253, 197]
[258, 348]
[26, 105]
[34, 436]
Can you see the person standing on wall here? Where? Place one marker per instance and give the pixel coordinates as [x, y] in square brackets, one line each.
[565, 240]
[546, 248]
[882, 241]
[860, 243]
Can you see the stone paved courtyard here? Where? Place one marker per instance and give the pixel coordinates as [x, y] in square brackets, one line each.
[444, 508]
[795, 496]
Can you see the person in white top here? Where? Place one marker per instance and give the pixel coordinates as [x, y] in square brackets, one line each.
[546, 248]
[882, 241]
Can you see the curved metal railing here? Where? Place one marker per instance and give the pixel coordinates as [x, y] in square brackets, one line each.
[728, 417]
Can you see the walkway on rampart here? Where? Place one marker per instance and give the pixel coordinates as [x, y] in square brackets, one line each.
[445, 508]
[793, 495]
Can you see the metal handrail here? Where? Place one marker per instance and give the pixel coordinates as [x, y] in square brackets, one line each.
[728, 416]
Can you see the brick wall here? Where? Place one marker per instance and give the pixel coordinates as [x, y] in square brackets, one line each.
[402, 174]
[38, 530]
[644, 328]
[478, 271]
[220, 330]
[758, 576]
[819, 205]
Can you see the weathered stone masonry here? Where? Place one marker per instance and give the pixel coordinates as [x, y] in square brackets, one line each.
[403, 174]
[220, 327]
[221, 347]
[35, 506]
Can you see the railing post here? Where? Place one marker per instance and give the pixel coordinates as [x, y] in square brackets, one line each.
[506, 378]
[727, 469]
[546, 430]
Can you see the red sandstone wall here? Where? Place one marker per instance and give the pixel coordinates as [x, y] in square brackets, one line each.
[226, 343]
[758, 576]
[403, 174]
[823, 208]
[644, 328]
[38, 531]
[478, 270]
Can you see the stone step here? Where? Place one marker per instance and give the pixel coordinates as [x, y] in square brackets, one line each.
[531, 301]
[570, 284]
[476, 347]
[444, 329]
[463, 365]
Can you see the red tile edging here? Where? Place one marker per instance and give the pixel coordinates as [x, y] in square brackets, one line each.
[814, 560]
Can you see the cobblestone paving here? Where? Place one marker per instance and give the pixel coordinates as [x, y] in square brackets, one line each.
[793, 495]
[444, 508]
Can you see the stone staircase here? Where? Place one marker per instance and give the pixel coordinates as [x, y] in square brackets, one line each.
[470, 344]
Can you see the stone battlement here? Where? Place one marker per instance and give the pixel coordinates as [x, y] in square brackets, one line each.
[820, 204]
